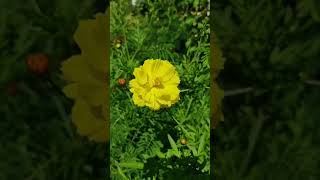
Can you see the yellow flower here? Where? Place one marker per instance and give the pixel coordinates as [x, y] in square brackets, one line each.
[216, 93]
[155, 84]
[88, 74]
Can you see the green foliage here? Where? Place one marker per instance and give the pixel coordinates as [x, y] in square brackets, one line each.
[158, 29]
[37, 138]
[272, 47]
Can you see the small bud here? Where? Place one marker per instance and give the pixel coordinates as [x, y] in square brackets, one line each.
[122, 82]
[183, 141]
[38, 63]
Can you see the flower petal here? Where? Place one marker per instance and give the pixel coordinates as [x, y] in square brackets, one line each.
[140, 75]
[137, 99]
[71, 90]
[92, 37]
[94, 94]
[87, 124]
[151, 100]
[76, 69]
[168, 74]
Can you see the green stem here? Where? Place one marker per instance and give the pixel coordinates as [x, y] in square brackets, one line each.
[185, 90]
[253, 138]
[238, 91]
[172, 116]
[313, 82]
[63, 115]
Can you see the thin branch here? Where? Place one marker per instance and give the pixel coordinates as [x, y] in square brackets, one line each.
[238, 91]
[36, 171]
[185, 90]
[250, 89]
[253, 139]
[312, 82]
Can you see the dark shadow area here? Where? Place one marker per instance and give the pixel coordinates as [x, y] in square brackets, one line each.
[271, 84]
[37, 137]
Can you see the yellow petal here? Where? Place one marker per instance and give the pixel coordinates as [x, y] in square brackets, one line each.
[171, 78]
[151, 100]
[105, 110]
[147, 67]
[71, 90]
[92, 38]
[168, 96]
[87, 124]
[140, 75]
[94, 94]
[165, 99]
[137, 100]
[164, 67]
[135, 87]
[173, 91]
[76, 69]
[168, 73]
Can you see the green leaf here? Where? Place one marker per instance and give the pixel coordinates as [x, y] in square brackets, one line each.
[132, 165]
[161, 155]
[196, 4]
[202, 143]
[174, 146]
[194, 150]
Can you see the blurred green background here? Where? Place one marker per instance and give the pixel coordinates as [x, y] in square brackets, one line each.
[272, 91]
[37, 138]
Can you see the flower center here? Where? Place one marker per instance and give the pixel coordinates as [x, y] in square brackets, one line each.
[157, 82]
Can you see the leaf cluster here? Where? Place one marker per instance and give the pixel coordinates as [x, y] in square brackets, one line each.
[271, 47]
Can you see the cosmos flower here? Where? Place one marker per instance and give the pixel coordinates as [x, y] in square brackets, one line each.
[88, 76]
[155, 84]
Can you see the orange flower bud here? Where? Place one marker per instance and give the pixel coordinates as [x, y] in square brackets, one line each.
[122, 82]
[38, 63]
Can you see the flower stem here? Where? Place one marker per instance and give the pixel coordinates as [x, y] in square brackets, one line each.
[185, 90]
[172, 116]
[238, 91]
[313, 82]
